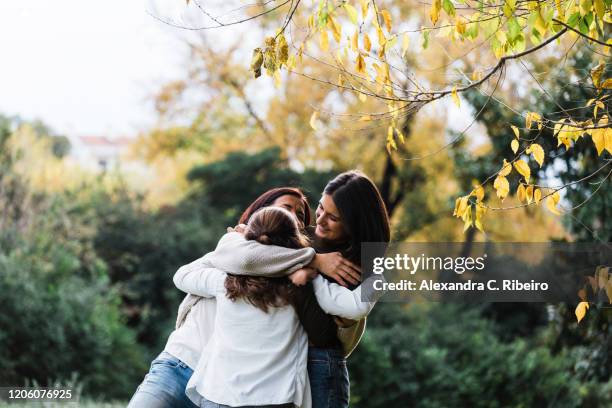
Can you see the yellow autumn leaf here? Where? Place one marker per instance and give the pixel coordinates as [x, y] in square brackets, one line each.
[480, 211]
[506, 169]
[563, 137]
[467, 218]
[336, 29]
[537, 196]
[607, 84]
[434, 12]
[596, 73]
[531, 118]
[400, 135]
[455, 97]
[502, 187]
[355, 41]
[516, 131]
[282, 49]
[529, 194]
[360, 64]
[381, 37]
[324, 41]
[391, 145]
[313, 120]
[600, 8]
[551, 203]
[538, 153]
[520, 193]
[523, 169]
[352, 13]
[478, 192]
[461, 204]
[390, 135]
[514, 145]
[365, 5]
[599, 139]
[581, 310]
[457, 202]
[387, 19]
[367, 44]
[257, 61]
[460, 24]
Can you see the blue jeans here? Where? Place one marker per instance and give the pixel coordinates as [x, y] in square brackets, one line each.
[164, 385]
[328, 375]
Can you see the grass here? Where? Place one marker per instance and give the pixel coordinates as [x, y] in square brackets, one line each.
[74, 404]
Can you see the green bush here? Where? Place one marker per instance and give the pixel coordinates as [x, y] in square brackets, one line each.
[444, 355]
[55, 323]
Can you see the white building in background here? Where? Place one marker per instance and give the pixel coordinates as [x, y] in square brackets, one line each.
[98, 153]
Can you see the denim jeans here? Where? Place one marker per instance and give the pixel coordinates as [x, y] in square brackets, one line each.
[164, 385]
[328, 375]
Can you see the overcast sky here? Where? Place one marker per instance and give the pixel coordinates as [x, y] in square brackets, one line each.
[91, 67]
[85, 67]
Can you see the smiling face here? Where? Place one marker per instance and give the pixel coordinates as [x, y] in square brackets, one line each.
[294, 205]
[329, 223]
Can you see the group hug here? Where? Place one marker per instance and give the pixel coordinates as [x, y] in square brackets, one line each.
[272, 314]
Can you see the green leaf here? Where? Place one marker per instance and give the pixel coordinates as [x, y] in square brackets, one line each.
[519, 44]
[449, 7]
[514, 29]
[425, 39]
[583, 27]
[572, 21]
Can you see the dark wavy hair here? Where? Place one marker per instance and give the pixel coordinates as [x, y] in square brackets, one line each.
[269, 226]
[268, 198]
[362, 211]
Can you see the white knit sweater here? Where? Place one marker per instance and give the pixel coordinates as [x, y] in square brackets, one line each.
[196, 314]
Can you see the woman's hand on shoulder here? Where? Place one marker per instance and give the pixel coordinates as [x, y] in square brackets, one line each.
[302, 276]
[335, 266]
[238, 228]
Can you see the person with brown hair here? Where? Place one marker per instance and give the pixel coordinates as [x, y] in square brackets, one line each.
[258, 353]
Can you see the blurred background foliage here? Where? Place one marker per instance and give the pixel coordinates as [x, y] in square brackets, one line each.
[86, 260]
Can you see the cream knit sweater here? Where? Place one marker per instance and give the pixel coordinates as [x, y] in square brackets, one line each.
[247, 257]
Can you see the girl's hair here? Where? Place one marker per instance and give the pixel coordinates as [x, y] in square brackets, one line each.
[268, 198]
[362, 211]
[269, 226]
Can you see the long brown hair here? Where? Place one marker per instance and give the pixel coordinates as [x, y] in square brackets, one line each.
[362, 210]
[269, 226]
[268, 198]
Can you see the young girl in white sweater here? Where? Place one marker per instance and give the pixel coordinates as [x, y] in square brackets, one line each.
[258, 353]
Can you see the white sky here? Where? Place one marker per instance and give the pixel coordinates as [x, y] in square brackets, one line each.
[86, 67]
[91, 67]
